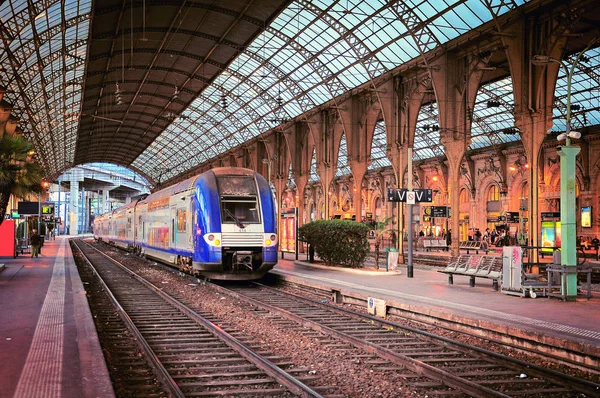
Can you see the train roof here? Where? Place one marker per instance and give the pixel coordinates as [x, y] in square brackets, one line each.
[232, 171]
[189, 183]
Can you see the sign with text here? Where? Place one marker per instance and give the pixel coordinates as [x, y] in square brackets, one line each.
[512, 217]
[401, 195]
[550, 215]
[439, 211]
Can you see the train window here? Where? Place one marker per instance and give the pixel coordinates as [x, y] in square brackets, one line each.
[236, 185]
[239, 211]
[181, 220]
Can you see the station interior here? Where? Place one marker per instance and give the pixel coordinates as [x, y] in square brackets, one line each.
[467, 126]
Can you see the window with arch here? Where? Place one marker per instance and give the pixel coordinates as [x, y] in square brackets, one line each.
[493, 193]
[378, 207]
[464, 196]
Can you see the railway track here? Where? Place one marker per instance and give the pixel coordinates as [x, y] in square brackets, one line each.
[452, 368]
[180, 353]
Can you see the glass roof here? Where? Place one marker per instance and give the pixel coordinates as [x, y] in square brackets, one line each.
[379, 158]
[314, 51]
[311, 53]
[342, 164]
[585, 93]
[118, 171]
[314, 176]
[45, 47]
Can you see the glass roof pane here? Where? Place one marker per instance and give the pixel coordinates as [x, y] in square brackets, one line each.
[45, 55]
[342, 164]
[314, 176]
[493, 120]
[585, 96]
[379, 157]
[427, 134]
[356, 39]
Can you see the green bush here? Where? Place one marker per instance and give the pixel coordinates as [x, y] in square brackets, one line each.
[337, 241]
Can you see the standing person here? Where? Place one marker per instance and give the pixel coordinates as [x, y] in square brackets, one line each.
[36, 240]
[493, 236]
[448, 239]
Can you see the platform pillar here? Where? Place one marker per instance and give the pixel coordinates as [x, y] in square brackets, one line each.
[568, 219]
[74, 210]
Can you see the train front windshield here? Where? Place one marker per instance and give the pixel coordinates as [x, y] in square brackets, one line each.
[239, 203]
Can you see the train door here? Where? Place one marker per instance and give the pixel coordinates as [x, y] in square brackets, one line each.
[173, 227]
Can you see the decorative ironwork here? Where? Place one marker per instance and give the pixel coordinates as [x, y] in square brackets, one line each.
[490, 168]
[464, 172]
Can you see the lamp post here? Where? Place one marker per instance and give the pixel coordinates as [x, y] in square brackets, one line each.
[567, 155]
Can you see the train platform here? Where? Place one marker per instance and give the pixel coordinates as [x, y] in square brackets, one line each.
[48, 341]
[575, 324]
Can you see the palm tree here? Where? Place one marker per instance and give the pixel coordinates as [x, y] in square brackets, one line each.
[381, 227]
[19, 174]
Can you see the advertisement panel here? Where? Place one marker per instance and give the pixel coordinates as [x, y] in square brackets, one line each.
[551, 235]
[586, 217]
[548, 234]
[7, 237]
[287, 238]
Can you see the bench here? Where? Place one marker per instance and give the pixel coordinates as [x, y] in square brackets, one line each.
[429, 244]
[473, 266]
[469, 245]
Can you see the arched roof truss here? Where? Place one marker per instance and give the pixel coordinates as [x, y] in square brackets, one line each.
[184, 83]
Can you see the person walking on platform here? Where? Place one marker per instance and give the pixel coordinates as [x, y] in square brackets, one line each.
[36, 240]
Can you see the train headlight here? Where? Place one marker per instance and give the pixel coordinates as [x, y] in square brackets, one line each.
[213, 239]
[270, 239]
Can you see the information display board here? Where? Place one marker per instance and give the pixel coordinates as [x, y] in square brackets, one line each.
[289, 230]
[439, 211]
[401, 195]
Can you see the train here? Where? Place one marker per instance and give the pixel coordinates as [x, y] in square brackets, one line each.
[220, 224]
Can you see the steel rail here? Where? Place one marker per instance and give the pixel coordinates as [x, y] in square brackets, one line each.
[160, 371]
[568, 380]
[419, 367]
[282, 377]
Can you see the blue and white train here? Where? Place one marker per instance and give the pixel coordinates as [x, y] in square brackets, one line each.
[220, 224]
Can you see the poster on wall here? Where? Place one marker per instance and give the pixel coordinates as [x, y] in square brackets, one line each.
[551, 235]
[586, 217]
[548, 234]
[287, 235]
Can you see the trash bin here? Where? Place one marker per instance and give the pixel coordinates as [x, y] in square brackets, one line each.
[392, 259]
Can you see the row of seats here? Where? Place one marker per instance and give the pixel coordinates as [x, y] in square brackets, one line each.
[429, 244]
[474, 266]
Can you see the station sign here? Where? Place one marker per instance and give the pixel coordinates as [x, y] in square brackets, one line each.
[439, 211]
[512, 217]
[550, 215]
[402, 195]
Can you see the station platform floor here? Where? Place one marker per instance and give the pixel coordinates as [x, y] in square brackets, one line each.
[48, 342]
[428, 292]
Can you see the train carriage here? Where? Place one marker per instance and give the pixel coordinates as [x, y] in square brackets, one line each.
[220, 224]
